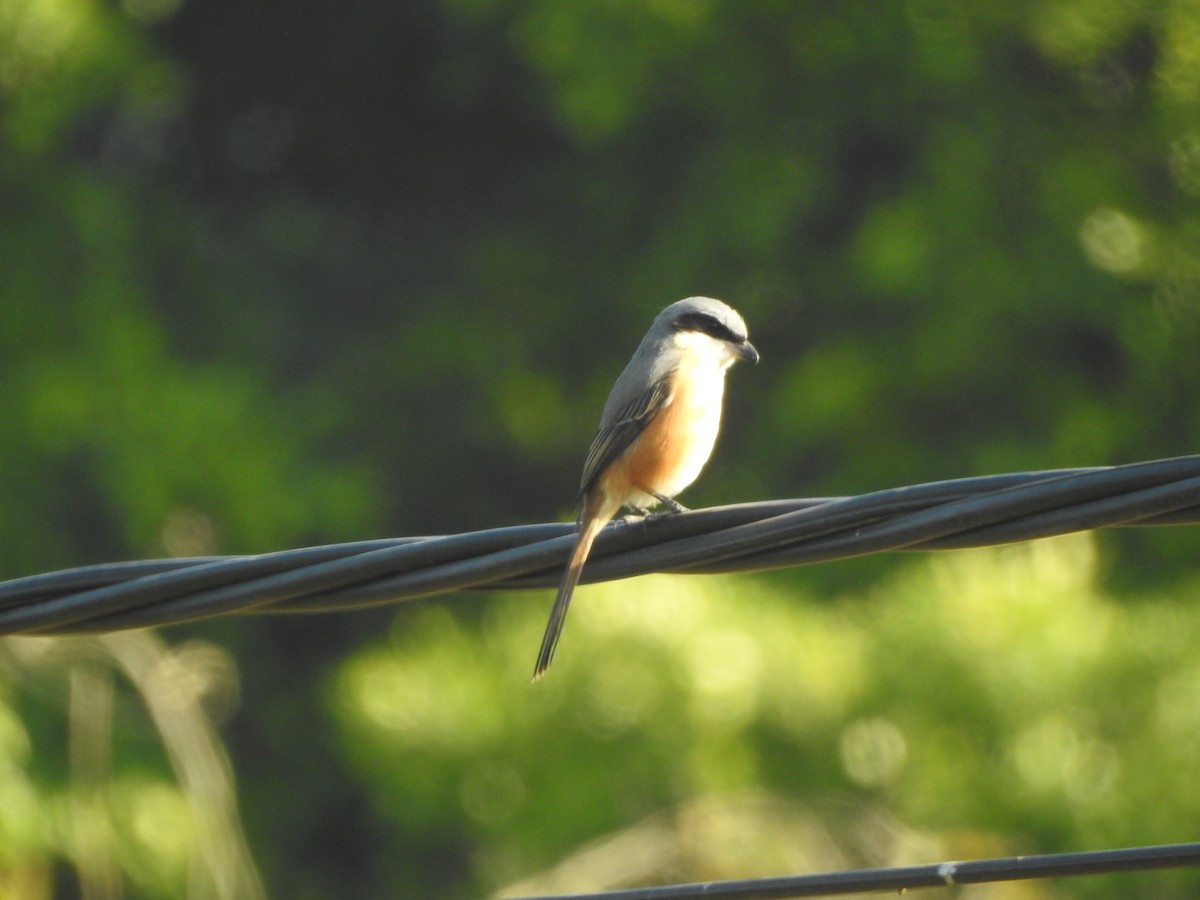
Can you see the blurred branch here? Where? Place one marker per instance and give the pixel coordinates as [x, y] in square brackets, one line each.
[183, 688]
[968, 512]
[90, 718]
[171, 685]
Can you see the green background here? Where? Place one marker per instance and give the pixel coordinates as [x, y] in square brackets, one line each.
[275, 274]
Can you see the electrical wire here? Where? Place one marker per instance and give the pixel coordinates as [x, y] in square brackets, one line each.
[967, 512]
[901, 878]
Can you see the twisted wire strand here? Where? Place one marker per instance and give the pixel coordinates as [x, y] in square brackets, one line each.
[966, 512]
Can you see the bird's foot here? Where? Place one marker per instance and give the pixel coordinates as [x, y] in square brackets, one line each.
[673, 506]
[635, 515]
[638, 514]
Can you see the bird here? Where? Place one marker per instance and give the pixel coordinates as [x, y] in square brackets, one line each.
[657, 430]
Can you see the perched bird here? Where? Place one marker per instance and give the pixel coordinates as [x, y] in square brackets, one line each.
[657, 429]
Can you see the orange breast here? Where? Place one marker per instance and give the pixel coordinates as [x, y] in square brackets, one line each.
[668, 455]
[655, 455]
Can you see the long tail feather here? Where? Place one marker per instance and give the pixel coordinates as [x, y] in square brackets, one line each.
[558, 614]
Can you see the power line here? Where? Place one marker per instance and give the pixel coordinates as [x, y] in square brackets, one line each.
[901, 878]
[968, 512]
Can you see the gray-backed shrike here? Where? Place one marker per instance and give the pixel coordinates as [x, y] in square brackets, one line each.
[657, 429]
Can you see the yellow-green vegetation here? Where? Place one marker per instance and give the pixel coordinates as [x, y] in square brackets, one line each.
[978, 703]
[278, 274]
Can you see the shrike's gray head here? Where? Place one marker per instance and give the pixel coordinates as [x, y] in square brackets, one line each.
[706, 325]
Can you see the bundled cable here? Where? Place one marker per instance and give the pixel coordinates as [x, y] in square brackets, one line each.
[969, 512]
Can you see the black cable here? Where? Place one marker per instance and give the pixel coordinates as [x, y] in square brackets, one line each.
[902, 878]
[966, 512]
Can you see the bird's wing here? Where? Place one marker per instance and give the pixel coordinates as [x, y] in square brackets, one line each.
[614, 437]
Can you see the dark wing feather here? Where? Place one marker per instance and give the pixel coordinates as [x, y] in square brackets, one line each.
[612, 439]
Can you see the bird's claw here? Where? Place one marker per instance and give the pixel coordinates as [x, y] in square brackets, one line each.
[673, 505]
[635, 515]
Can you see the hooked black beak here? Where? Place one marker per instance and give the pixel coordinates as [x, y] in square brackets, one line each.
[746, 351]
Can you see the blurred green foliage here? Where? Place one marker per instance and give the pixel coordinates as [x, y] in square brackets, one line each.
[278, 274]
[980, 704]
